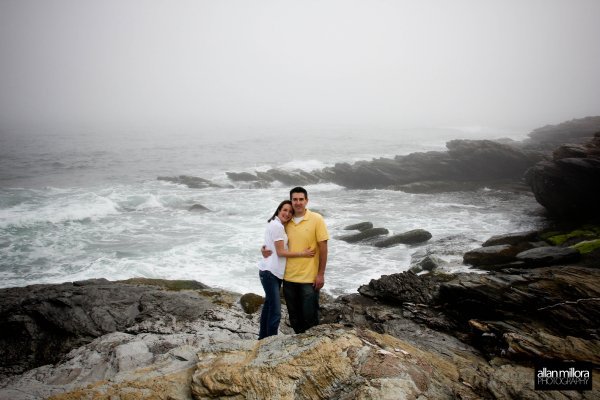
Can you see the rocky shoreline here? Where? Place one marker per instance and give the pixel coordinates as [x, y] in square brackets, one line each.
[468, 335]
[424, 334]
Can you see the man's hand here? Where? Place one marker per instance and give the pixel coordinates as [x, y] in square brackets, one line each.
[319, 282]
[265, 253]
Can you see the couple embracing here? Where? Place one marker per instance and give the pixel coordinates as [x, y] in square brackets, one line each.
[299, 263]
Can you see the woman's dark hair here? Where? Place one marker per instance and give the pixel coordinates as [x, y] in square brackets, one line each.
[279, 207]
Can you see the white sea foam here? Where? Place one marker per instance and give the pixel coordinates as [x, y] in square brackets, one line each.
[78, 207]
[304, 165]
[122, 222]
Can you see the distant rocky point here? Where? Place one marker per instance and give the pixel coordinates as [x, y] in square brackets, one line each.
[466, 165]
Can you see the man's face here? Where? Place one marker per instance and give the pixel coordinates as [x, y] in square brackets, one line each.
[299, 202]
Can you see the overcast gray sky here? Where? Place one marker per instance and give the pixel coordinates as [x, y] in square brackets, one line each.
[194, 64]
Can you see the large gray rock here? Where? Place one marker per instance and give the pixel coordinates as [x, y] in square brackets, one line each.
[549, 255]
[241, 176]
[576, 131]
[361, 226]
[549, 312]
[512, 238]
[41, 323]
[365, 235]
[568, 187]
[478, 161]
[489, 255]
[415, 236]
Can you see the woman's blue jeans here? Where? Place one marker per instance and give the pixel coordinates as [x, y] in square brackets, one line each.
[271, 311]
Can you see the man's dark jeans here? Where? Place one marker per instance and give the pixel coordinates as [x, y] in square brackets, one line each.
[302, 301]
[271, 311]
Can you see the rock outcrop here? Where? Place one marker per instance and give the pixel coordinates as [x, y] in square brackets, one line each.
[568, 187]
[41, 323]
[576, 131]
[466, 165]
[544, 313]
[467, 336]
[332, 362]
[193, 182]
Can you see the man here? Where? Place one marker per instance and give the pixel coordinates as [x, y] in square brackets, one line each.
[304, 277]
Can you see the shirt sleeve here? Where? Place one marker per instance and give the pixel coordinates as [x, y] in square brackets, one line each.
[277, 232]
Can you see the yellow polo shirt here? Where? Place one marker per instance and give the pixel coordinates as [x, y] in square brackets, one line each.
[307, 233]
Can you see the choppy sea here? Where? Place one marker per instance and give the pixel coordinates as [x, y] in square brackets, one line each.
[89, 205]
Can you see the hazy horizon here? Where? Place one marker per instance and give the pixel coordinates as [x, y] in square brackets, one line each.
[236, 67]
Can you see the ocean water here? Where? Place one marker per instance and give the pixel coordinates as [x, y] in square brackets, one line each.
[79, 206]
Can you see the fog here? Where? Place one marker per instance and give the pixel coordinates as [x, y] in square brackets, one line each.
[241, 66]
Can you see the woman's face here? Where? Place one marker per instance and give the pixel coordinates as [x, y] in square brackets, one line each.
[285, 214]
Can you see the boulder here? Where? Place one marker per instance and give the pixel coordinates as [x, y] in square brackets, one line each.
[400, 288]
[41, 323]
[490, 255]
[512, 238]
[365, 235]
[251, 302]
[428, 263]
[549, 255]
[568, 186]
[361, 226]
[198, 208]
[415, 236]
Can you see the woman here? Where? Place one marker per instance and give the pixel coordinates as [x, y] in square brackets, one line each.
[273, 267]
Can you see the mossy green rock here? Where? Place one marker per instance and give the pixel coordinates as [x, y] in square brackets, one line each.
[586, 232]
[587, 246]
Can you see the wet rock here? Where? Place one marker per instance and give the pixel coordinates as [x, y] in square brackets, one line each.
[487, 160]
[568, 187]
[400, 288]
[169, 284]
[490, 255]
[291, 178]
[569, 151]
[512, 238]
[530, 315]
[365, 235]
[415, 236]
[198, 208]
[468, 164]
[361, 226]
[242, 176]
[265, 176]
[251, 302]
[428, 263]
[550, 255]
[192, 182]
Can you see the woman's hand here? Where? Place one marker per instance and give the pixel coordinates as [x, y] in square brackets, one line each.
[307, 253]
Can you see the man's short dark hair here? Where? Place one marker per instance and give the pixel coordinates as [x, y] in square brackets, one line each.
[299, 189]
